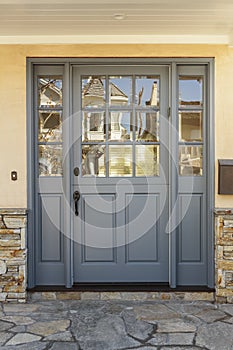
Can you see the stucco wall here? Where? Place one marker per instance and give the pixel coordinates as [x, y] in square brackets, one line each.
[13, 102]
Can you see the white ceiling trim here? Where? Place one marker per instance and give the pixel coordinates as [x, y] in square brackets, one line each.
[117, 39]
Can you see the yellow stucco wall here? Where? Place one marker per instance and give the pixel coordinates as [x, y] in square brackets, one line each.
[13, 102]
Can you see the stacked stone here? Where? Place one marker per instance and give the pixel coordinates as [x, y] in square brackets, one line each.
[224, 255]
[13, 255]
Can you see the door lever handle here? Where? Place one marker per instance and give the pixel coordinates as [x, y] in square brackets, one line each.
[76, 197]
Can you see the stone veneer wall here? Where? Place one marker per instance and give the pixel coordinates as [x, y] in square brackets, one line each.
[224, 254]
[13, 254]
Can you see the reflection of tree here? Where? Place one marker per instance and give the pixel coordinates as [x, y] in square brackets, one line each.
[49, 126]
[50, 160]
[91, 157]
[150, 131]
[140, 117]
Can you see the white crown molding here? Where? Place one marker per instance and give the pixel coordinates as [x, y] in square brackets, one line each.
[117, 39]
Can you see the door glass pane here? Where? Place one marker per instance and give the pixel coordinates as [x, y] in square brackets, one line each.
[147, 91]
[50, 126]
[190, 90]
[147, 126]
[93, 91]
[120, 90]
[93, 160]
[190, 160]
[50, 160]
[120, 127]
[190, 126]
[147, 160]
[93, 126]
[120, 160]
[49, 92]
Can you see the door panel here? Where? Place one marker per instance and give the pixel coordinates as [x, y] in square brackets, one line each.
[119, 146]
[122, 244]
[51, 210]
[143, 248]
[191, 228]
[98, 228]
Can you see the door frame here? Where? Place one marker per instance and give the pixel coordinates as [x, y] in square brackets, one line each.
[67, 63]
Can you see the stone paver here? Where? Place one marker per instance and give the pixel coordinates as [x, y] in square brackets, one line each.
[216, 336]
[23, 338]
[181, 348]
[136, 328]
[173, 339]
[175, 326]
[5, 325]
[48, 328]
[116, 325]
[63, 336]
[64, 346]
[211, 315]
[4, 337]
[27, 346]
[20, 320]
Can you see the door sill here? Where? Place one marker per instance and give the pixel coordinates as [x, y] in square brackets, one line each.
[122, 287]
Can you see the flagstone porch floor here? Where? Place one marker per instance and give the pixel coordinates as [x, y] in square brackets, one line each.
[116, 325]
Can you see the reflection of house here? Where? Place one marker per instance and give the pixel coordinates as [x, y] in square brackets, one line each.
[190, 160]
[190, 126]
[50, 93]
[93, 95]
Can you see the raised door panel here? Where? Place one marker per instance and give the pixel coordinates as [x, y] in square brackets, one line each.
[192, 240]
[142, 228]
[50, 240]
[98, 228]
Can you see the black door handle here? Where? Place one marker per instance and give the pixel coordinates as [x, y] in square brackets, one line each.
[76, 197]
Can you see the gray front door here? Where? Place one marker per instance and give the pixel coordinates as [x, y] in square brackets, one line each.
[121, 173]
[120, 146]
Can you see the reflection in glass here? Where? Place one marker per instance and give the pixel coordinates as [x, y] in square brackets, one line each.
[147, 91]
[120, 160]
[93, 160]
[147, 126]
[93, 91]
[50, 126]
[147, 160]
[190, 126]
[120, 127]
[50, 160]
[50, 92]
[93, 128]
[120, 90]
[190, 160]
[190, 90]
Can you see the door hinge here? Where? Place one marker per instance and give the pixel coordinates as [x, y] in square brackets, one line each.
[169, 112]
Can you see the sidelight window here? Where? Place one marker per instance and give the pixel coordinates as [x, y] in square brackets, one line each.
[49, 111]
[191, 112]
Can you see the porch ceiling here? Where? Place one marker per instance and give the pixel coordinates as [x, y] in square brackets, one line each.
[121, 21]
